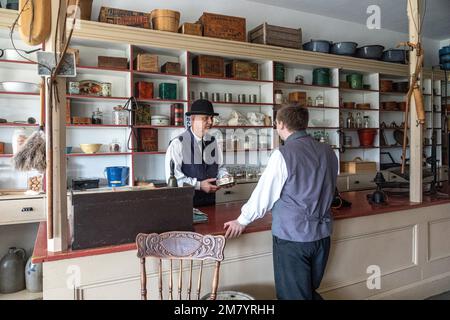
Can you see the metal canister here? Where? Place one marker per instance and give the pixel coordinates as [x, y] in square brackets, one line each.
[106, 89]
[204, 95]
[241, 98]
[347, 141]
[74, 87]
[178, 114]
[253, 98]
[228, 97]
[216, 97]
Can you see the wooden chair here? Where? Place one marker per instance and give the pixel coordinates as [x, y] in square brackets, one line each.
[181, 246]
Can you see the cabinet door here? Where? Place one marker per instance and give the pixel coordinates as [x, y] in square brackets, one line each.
[21, 211]
[239, 192]
[361, 182]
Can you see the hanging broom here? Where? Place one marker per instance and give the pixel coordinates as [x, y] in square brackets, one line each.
[31, 156]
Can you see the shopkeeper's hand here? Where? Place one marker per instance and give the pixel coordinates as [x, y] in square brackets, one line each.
[209, 185]
[234, 229]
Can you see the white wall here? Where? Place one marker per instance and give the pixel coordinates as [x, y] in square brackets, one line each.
[313, 26]
[445, 43]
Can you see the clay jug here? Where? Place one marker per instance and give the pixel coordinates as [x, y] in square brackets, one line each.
[12, 265]
[33, 276]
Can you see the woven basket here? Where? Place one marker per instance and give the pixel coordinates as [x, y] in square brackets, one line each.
[165, 20]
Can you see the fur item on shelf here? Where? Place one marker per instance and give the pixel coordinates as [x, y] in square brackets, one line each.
[31, 156]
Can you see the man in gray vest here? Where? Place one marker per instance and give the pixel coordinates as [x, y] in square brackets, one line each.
[298, 186]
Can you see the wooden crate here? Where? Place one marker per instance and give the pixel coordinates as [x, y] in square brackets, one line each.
[191, 28]
[242, 70]
[146, 62]
[208, 66]
[112, 62]
[171, 67]
[276, 36]
[125, 17]
[148, 140]
[223, 27]
[358, 166]
[81, 120]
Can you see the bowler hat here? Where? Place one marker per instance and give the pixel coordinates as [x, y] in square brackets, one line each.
[202, 106]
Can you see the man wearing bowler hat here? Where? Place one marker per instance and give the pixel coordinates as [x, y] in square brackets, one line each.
[197, 156]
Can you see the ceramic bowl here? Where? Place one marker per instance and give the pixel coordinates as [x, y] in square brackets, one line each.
[19, 86]
[90, 147]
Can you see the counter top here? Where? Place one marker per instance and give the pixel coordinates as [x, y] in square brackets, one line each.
[221, 213]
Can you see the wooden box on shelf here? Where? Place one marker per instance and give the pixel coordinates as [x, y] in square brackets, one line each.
[146, 62]
[297, 97]
[144, 90]
[242, 70]
[171, 67]
[223, 27]
[191, 28]
[276, 36]
[125, 17]
[142, 115]
[208, 66]
[2, 147]
[358, 166]
[81, 120]
[112, 62]
[148, 140]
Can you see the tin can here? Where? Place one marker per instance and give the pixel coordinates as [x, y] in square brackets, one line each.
[347, 141]
[253, 98]
[228, 97]
[216, 97]
[241, 98]
[106, 89]
[74, 87]
[203, 95]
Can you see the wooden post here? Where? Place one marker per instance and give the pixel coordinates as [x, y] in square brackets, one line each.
[416, 134]
[57, 185]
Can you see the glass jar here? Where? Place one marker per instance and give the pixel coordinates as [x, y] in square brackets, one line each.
[97, 117]
[278, 97]
[358, 120]
[120, 116]
[115, 146]
[350, 121]
[309, 102]
[319, 101]
[366, 122]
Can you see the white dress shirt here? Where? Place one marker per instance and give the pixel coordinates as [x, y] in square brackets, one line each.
[267, 191]
[174, 152]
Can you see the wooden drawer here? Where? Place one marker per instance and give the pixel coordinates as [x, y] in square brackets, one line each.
[21, 211]
[361, 182]
[239, 192]
[342, 184]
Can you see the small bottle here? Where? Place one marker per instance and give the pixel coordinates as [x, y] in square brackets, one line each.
[350, 121]
[319, 101]
[358, 120]
[309, 102]
[278, 97]
[366, 122]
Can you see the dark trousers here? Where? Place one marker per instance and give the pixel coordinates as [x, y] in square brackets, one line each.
[299, 267]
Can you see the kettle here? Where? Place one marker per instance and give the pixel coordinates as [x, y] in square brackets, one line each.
[12, 275]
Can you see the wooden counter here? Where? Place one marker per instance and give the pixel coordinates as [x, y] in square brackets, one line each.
[221, 213]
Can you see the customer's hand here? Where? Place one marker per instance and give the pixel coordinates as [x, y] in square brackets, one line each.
[234, 229]
[209, 185]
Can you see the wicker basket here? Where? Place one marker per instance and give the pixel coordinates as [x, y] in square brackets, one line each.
[165, 20]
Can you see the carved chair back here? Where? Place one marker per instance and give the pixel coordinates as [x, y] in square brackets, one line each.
[180, 246]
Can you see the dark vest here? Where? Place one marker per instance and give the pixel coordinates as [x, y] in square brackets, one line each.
[303, 212]
[194, 165]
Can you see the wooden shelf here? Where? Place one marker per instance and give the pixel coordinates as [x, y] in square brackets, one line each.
[158, 127]
[358, 109]
[6, 155]
[100, 71]
[293, 85]
[161, 101]
[25, 94]
[374, 147]
[319, 107]
[159, 75]
[17, 62]
[148, 152]
[242, 127]
[95, 126]
[93, 98]
[244, 104]
[323, 128]
[357, 90]
[12, 124]
[199, 79]
[22, 295]
[98, 154]
[356, 129]
[393, 93]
